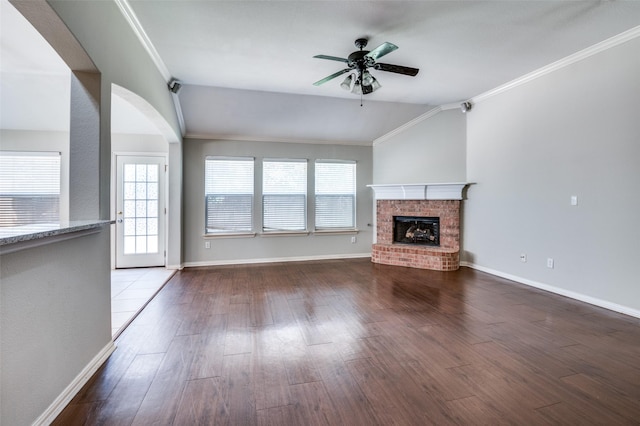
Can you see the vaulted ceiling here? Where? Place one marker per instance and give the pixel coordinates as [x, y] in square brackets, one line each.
[247, 67]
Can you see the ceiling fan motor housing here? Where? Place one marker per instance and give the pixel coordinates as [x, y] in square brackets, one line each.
[361, 43]
[360, 61]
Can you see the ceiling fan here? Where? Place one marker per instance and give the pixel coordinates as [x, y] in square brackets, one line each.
[360, 81]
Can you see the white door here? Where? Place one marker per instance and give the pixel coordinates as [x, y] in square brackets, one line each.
[140, 211]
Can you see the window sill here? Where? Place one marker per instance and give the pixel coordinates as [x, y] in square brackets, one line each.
[336, 232]
[230, 235]
[284, 234]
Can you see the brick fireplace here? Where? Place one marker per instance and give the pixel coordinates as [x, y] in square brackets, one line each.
[428, 200]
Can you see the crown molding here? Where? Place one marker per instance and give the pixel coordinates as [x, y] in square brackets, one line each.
[136, 26]
[565, 62]
[139, 31]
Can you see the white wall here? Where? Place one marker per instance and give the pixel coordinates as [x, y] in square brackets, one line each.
[572, 132]
[54, 321]
[431, 151]
[138, 144]
[239, 250]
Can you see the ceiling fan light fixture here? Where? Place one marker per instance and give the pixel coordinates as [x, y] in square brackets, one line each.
[367, 78]
[346, 84]
[357, 88]
[375, 84]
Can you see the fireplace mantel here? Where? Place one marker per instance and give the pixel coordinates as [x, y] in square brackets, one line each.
[419, 191]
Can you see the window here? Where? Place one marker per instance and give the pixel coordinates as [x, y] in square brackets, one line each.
[29, 188]
[335, 195]
[228, 194]
[284, 195]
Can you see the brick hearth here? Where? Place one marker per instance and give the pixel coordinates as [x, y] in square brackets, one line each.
[443, 258]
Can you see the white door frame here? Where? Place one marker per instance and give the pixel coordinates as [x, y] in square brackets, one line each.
[115, 194]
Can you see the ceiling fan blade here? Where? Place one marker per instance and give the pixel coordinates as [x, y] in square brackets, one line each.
[331, 58]
[332, 76]
[398, 69]
[381, 50]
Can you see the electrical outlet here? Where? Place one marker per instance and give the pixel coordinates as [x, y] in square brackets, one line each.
[550, 263]
[523, 258]
[574, 200]
[354, 240]
[207, 244]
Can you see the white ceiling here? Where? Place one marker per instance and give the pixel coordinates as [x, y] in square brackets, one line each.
[248, 67]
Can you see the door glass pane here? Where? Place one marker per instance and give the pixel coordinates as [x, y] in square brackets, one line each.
[141, 172]
[141, 191]
[152, 208]
[152, 172]
[129, 208]
[129, 191]
[130, 172]
[129, 227]
[152, 191]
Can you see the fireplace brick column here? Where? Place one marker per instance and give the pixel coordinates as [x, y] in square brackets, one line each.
[443, 258]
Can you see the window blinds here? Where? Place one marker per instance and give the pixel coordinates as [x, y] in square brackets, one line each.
[228, 194]
[29, 188]
[284, 195]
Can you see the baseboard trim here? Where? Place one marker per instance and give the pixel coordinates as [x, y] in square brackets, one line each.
[175, 267]
[557, 290]
[74, 387]
[275, 260]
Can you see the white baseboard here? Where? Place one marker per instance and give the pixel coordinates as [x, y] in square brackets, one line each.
[275, 260]
[175, 267]
[557, 290]
[74, 387]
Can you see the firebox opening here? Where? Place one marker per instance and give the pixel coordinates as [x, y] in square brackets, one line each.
[416, 230]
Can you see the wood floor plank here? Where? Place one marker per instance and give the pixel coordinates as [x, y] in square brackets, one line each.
[437, 381]
[161, 401]
[271, 385]
[316, 406]
[349, 402]
[613, 399]
[472, 410]
[129, 393]
[209, 352]
[279, 416]
[240, 390]
[204, 402]
[350, 342]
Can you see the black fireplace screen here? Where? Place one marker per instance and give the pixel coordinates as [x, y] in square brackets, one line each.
[416, 230]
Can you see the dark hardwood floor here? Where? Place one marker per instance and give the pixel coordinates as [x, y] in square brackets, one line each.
[348, 342]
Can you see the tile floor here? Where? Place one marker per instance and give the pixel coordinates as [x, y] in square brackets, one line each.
[131, 289]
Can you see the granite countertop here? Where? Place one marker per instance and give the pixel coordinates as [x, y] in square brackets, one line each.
[42, 231]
